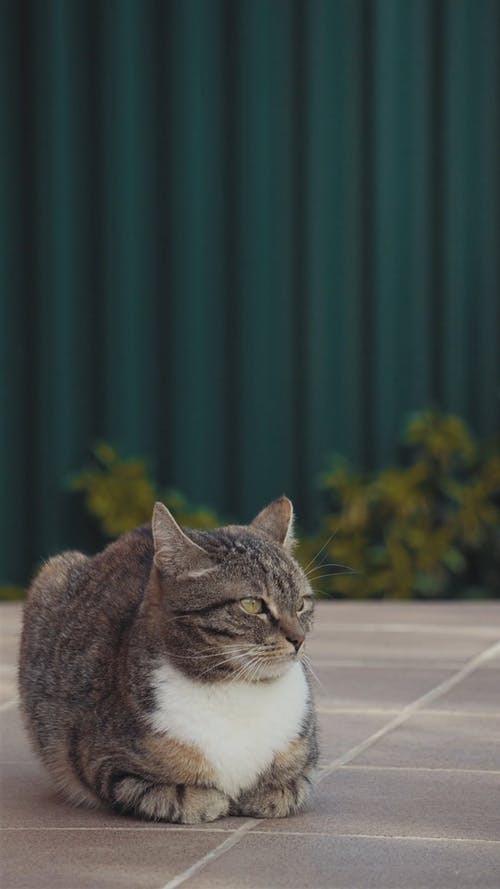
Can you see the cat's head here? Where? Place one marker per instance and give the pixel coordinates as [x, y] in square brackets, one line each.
[232, 603]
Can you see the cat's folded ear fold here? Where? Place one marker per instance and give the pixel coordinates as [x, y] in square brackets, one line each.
[175, 553]
[276, 520]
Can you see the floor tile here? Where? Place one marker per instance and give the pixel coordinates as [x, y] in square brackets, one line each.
[339, 732]
[8, 683]
[434, 741]
[380, 822]
[10, 630]
[478, 692]
[14, 744]
[323, 862]
[402, 803]
[29, 799]
[363, 687]
[434, 614]
[399, 647]
[71, 859]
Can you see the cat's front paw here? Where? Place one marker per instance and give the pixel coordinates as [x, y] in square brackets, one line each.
[273, 801]
[179, 803]
[203, 804]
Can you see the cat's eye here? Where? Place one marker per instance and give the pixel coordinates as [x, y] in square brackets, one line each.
[252, 606]
[303, 605]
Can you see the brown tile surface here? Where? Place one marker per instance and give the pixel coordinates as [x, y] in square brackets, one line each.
[406, 813]
[8, 684]
[73, 859]
[330, 862]
[339, 732]
[478, 692]
[402, 803]
[29, 799]
[483, 615]
[14, 744]
[413, 646]
[365, 688]
[10, 629]
[430, 741]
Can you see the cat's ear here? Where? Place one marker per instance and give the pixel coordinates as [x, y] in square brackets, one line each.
[276, 520]
[175, 554]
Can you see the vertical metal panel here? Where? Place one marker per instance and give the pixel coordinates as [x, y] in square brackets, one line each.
[197, 336]
[485, 360]
[265, 431]
[392, 220]
[239, 236]
[458, 142]
[419, 273]
[61, 406]
[14, 427]
[332, 233]
[127, 83]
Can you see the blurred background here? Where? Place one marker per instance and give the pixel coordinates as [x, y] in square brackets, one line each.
[243, 244]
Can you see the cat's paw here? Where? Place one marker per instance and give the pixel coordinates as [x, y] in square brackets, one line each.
[272, 801]
[178, 803]
[203, 804]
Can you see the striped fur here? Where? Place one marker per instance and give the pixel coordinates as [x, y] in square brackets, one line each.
[115, 647]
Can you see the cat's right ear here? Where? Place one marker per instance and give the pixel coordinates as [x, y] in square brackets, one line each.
[175, 553]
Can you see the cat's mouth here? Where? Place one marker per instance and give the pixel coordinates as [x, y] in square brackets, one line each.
[258, 663]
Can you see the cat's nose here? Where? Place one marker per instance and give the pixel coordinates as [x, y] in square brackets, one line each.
[296, 640]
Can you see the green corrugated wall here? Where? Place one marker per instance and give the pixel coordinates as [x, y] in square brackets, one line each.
[237, 237]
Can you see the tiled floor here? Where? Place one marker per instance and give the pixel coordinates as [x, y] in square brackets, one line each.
[409, 702]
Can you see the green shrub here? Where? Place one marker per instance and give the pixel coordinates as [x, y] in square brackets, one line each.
[11, 593]
[430, 529]
[120, 495]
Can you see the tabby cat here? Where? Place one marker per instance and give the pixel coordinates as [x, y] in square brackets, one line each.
[163, 677]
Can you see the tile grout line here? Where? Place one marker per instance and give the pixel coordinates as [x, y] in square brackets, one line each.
[396, 663]
[387, 711]
[453, 769]
[219, 850]
[412, 708]
[260, 832]
[172, 828]
[372, 836]
[474, 632]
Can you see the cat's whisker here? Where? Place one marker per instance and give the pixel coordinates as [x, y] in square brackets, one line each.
[336, 574]
[239, 674]
[260, 660]
[261, 663]
[195, 657]
[242, 674]
[307, 663]
[227, 660]
[328, 565]
[234, 656]
[255, 672]
[320, 551]
[244, 671]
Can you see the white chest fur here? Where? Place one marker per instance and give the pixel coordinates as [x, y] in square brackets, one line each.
[238, 726]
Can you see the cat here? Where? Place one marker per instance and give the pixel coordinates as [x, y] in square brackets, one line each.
[164, 677]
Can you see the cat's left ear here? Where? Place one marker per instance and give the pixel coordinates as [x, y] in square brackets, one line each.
[175, 553]
[276, 520]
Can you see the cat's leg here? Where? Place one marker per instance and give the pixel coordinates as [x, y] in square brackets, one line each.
[284, 788]
[179, 803]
